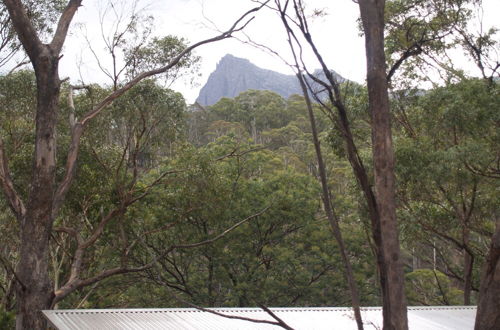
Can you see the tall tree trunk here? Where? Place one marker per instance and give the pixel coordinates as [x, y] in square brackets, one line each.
[343, 125]
[36, 292]
[330, 212]
[488, 307]
[394, 300]
[468, 266]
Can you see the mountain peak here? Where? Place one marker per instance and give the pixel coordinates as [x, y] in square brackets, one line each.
[234, 75]
[229, 58]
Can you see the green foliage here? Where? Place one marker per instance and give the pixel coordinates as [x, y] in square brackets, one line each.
[426, 287]
[446, 152]
[17, 121]
[246, 155]
[418, 33]
[43, 15]
[159, 52]
[284, 256]
[7, 320]
[257, 110]
[208, 198]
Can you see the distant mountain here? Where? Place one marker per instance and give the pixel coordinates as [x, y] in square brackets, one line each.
[234, 75]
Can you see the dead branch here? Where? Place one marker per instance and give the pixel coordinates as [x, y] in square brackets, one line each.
[278, 322]
[274, 316]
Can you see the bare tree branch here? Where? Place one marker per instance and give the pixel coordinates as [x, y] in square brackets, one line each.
[78, 127]
[75, 283]
[17, 66]
[25, 30]
[279, 322]
[224, 35]
[415, 49]
[274, 316]
[63, 188]
[78, 283]
[63, 25]
[224, 233]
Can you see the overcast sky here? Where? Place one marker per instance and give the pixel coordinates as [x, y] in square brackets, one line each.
[336, 34]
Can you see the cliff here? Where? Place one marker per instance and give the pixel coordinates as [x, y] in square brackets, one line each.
[234, 75]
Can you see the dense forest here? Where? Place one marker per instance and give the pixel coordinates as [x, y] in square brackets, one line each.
[154, 203]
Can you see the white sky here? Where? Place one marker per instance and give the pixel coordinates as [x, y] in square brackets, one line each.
[336, 35]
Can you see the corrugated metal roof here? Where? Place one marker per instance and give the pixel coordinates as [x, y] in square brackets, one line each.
[419, 318]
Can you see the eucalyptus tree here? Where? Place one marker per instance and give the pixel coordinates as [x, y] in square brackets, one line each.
[372, 17]
[423, 34]
[47, 192]
[381, 198]
[224, 180]
[437, 142]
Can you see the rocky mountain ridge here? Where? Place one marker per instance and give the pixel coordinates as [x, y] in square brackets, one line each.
[234, 75]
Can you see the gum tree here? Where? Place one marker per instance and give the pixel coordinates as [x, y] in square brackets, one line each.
[46, 194]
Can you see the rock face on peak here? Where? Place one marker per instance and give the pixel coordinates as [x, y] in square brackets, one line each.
[234, 75]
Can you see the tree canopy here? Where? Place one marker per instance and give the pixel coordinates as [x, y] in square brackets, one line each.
[118, 194]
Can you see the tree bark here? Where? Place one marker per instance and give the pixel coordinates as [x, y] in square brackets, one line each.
[468, 266]
[394, 300]
[342, 123]
[330, 212]
[36, 291]
[488, 307]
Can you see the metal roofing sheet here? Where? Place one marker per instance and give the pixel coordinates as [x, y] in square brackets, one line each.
[419, 318]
